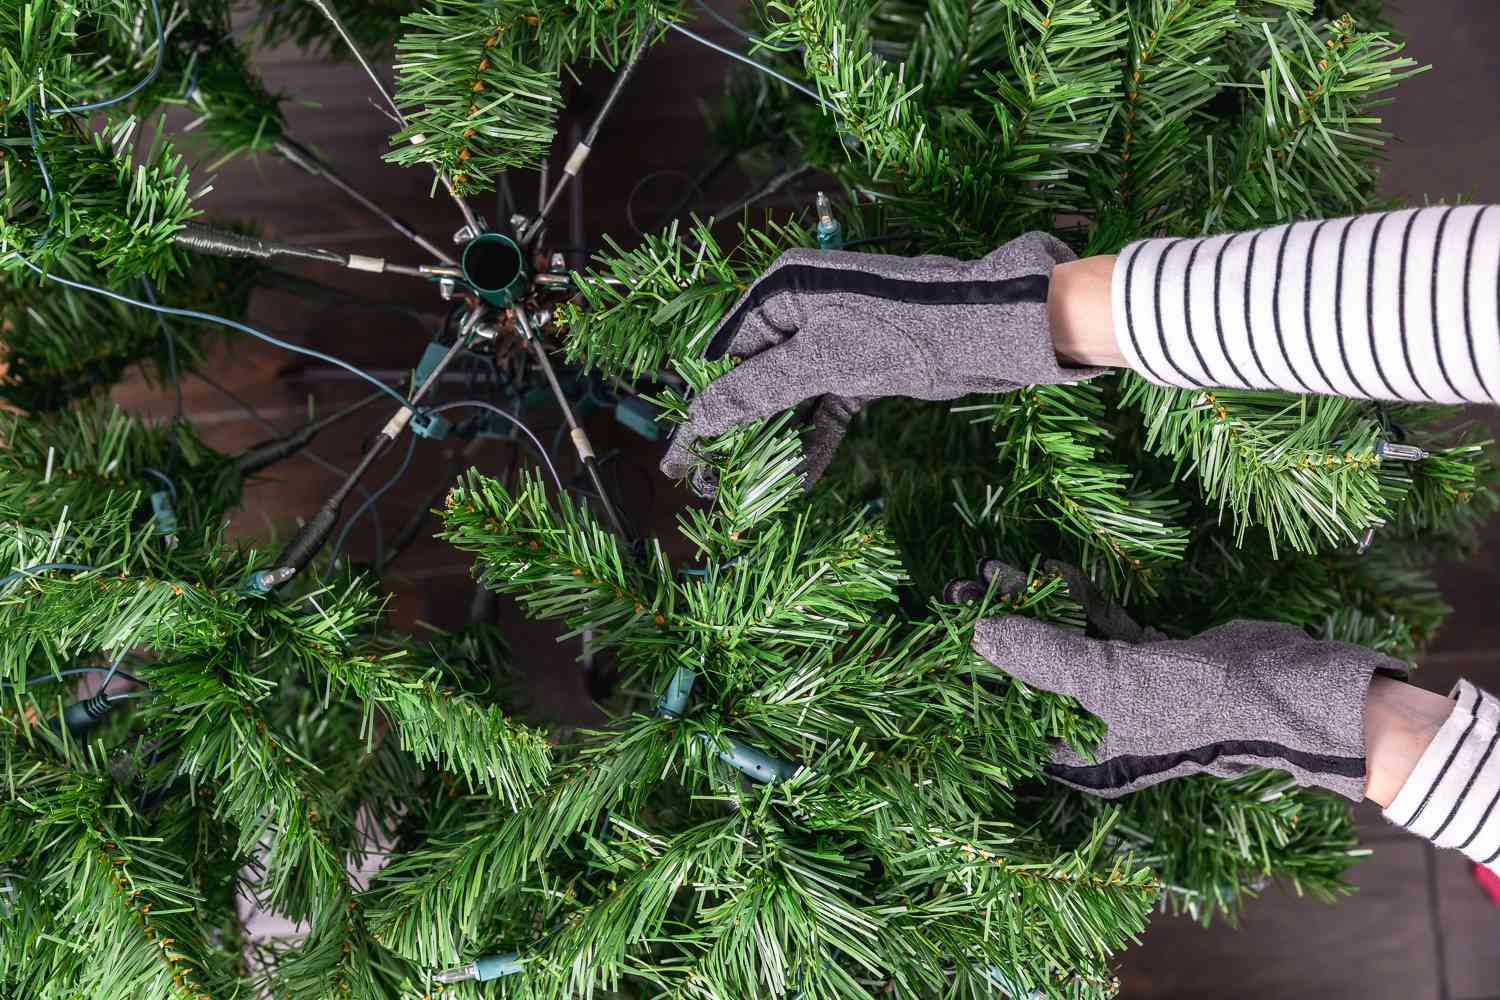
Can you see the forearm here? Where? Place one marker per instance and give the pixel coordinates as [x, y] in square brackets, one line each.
[1394, 305]
[1432, 763]
[1078, 311]
[1401, 721]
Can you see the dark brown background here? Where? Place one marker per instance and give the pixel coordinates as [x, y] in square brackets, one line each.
[1418, 928]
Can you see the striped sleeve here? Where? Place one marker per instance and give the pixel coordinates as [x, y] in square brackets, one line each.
[1395, 305]
[1452, 796]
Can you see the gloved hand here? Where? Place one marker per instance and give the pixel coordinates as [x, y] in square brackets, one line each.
[1242, 695]
[844, 328]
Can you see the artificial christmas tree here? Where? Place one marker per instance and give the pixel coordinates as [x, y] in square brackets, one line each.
[809, 785]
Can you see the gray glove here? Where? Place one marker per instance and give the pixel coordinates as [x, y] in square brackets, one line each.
[843, 328]
[1242, 695]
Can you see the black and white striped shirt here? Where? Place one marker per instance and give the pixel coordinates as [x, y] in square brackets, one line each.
[1393, 305]
[1452, 797]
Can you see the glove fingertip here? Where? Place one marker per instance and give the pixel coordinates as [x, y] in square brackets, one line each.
[1012, 580]
[1035, 652]
[830, 422]
[962, 592]
[682, 464]
[705, 481]
[1078, 582]
[677, 460]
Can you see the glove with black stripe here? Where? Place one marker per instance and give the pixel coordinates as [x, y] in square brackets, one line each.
[835, 330]
[1242, 695]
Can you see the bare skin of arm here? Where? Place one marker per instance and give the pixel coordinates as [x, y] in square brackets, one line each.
[1400, 720]
[1078, 310]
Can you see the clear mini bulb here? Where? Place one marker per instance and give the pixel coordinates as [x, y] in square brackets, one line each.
[482, 969]
[829, 231]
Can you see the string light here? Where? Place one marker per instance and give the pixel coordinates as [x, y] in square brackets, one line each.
[219, 321]
[161, 46]
[491, 407]
[81, 716]
[482, 970]
[741, 57]
[338, 544]
[42, 568]
[75, 671]
[115, 666]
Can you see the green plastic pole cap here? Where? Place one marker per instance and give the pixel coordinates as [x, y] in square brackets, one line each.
[494, 267]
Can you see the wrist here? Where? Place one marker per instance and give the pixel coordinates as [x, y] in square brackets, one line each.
[1079, 312]
[1400, 722]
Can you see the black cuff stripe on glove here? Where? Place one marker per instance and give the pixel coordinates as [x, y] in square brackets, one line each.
[1127, 770]
[808, 278]
[866, 326]
[1239, 696]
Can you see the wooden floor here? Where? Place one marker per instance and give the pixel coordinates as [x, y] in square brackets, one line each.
[1419, 927]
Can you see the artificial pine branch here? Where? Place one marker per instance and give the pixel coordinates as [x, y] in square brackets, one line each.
[644, 307]
[1384, 598]
[874, 715]
[948, 163]
[992, 863]
[1320, 83]
[115, 884]
[908, 841]
[86, 458]
[210, 74]
[62, 344]
[88, 195]
[882, 464]
[213, 729]
[1167, 81]
[1263, 826]
[188, 593]
[1305, 467]
[256, 781]
[481, 82]
[428, 904]
[44, 60]
[560, 563]
[337, 959]
[475, 104]
[1055, 440]
[432, 721]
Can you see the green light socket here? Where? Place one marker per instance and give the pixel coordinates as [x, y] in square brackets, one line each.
[492, 266]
